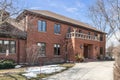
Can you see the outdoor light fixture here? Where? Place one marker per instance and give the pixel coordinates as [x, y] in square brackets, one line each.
[96, 47]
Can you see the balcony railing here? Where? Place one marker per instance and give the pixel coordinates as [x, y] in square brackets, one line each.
[82, 36]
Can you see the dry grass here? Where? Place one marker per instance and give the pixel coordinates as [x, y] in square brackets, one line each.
[15, 74]
[67, 65]
[12, 74]
[4, 71]
[12, 77]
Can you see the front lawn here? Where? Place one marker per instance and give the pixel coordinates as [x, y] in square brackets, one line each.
[17, 74]
[12, 77]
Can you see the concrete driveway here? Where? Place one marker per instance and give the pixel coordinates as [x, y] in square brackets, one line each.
[87, 71]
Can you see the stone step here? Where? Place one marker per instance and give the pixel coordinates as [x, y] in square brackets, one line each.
[90, 60]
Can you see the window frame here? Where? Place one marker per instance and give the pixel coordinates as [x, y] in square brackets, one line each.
[3, 51]
[41, 27]
[58, 49]
[56, 29]
[69, 29]
[95, 34]
[1, 47]
[43, 55]
[101, 37]
[14, 46]
[89, 33]
[80, 31]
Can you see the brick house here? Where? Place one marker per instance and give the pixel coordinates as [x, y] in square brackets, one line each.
[61, 38]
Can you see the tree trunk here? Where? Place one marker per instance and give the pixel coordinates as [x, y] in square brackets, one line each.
[116, 69]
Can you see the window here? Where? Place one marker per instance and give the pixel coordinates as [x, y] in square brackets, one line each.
[12, 46]
[56, 49]
[57, 28]
[88, 33]
[41, 26]
[69, 29]
[1, 45]
[95, 34]
[7, 45]
[80, 31]
[42, 48]
[101, 37]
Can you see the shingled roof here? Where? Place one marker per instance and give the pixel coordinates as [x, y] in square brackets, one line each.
[10, 29]
[59, 17]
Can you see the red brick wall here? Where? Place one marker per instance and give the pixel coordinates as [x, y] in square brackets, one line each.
[22, 54]
[34, 36]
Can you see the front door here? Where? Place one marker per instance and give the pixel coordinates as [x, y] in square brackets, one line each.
[85, 51]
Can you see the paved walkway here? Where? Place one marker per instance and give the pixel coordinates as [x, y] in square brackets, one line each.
[87, 71]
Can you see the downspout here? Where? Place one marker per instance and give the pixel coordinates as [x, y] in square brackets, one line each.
[18, 55]
[25, 47]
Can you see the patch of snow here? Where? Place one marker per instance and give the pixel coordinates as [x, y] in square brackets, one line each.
[29, 75]
[18, 66]
[49, 69]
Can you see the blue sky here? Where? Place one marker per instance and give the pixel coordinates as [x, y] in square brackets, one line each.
[76, 9]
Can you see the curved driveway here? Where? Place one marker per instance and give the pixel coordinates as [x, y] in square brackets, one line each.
[87, 71]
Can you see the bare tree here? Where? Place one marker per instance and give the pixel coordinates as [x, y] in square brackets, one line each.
[33, 54]
[117, 63]
[8, 8]
[110, 49]
[67, 47]
[105, 14]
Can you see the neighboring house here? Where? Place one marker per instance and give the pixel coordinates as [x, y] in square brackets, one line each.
[61, 38]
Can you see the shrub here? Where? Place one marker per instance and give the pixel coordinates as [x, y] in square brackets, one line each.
[6, 64]
[79, 58]
[1, 65]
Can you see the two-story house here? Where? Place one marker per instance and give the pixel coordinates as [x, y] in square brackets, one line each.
[60, 38]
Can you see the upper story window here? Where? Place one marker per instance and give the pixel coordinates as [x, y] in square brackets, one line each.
[41, 26]
[88, 33]
[80, 31]
[101, 37]
[42, 49]
[95, 34]
[69, 29]
[57, 28]
[7, 45]
[56, 49]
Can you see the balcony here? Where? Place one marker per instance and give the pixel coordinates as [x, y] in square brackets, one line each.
[82, 36]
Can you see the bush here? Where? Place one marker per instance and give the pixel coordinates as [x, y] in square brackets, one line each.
[79, 58]
[6, 64]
